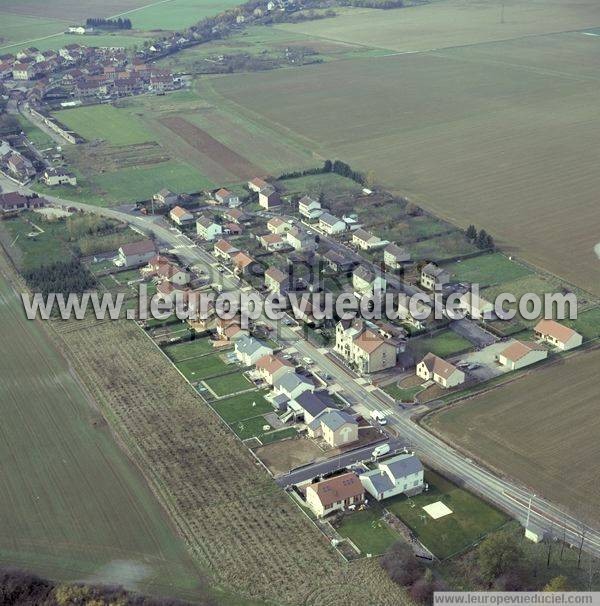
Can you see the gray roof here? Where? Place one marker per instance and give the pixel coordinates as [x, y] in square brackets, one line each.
[397, 251]
[205, 221]
[306, 200]
[364, 273]
[250, 345]
[289, 381]
[433, 270]
[312, 403]
[380, 480]
[333, 419]
[329, 219]
[403, 465]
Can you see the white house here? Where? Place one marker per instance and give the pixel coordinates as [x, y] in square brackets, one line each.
[278, 225]
[475, 306]
[365, 282]
[224, 196]
[402, 474]
[336, 427]
[249, 350]
[257, 184]
[335, 494]
[58, 176]
[432, 276]
[300, 239]
[365, 241]
[330, 224]
[394, 256]
[309, 208]
[180, 215]
[520, 354]
[135, 253]
[442, 372]
[292, 385]
[269, 199]
[557, 335]
[273, 242]
[208, 229]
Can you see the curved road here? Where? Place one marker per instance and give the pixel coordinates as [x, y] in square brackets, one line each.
[507, 495]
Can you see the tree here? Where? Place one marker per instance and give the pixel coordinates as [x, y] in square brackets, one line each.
[498, 554]
[471, 232]
[401, 564]
[370, 179]
[482, 239]
[413, 210]
[559, 583]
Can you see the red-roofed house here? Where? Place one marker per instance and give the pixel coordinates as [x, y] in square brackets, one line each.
[224, 196]
[180, 215]
[520, 354]
[335, 494]
[557, 335]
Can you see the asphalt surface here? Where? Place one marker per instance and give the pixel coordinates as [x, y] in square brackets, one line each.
[505, 494]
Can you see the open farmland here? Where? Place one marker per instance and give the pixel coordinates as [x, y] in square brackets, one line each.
[237, 523]
[478, 134]
[55, 447]
[540, 429]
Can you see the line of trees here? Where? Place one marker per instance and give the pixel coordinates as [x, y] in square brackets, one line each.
[60, 277]
[118, 23]
[480, 238]
[382, 4]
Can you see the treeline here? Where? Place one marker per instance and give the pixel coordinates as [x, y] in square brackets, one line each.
[19, 588]
[480, 238]
[337, 166]
[108, 23]
[61, 277]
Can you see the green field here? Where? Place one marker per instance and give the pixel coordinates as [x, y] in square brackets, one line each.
[443, 344]
[190, 349]
[487, 270]
[470, 520]
[21, 28]
[243, 406]
[118, 127]
[228, 384]
[37, 136]
[368, 531]
[204, 367]
[56, 447]
[403, 394]
[587, 323]
[489, 151]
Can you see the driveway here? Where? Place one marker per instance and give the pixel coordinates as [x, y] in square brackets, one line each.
[473, 332]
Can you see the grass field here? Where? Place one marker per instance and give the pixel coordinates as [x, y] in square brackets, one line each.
[487, 270]
[243, 406]
[443, 344]
[587, 323]
[236, 522]
[195, 369]
[37, 136]
[56, 447]
[228, 384]
[190, 349]
[368, 531]
[488, 151]
[540, 429]
[470, 520]
[403, 394]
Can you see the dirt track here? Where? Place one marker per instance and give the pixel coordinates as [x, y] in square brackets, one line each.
[206, 144]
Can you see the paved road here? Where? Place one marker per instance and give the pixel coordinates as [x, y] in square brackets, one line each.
[508, 495]
[307, 472]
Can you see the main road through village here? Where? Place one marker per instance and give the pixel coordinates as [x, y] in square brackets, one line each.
[515, 499]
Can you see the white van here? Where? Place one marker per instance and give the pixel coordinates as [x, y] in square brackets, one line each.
[380, 450]
[378, 417]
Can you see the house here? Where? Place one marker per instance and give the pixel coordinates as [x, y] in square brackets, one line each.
[474, 306]
[336, 427]
[230, 329]
[269, 367]
[442, 372]
[339, 263]
[365, 282]
[300, 240]
[558, 335]
[417, 316]
[242, 262]
[272, 242]
[168, 291]
[278, 225]
[361, 345]
[291, 385]
[331, 225]
[136, 253]
[309, 405]
[402, 474]
[180, 215]
[309, 208]
[232, 229]
[207, 229]
[365, 241]
[12, 201]
[269, 199]
[394, 256]
[249, 350]
[172, 273]
[19, 166]
[520, 354]
[432, 276]
[58, 176]
[335, 494]
[165, 197]
[224, 250]
[224, 196]
[276, 280]
[24, 71]
[235, 215]
[257, 184]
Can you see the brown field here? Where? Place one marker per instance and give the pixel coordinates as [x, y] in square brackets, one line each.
[71, 9]
[204, 143]
[541, 429]
[503, 135]
[236, 521]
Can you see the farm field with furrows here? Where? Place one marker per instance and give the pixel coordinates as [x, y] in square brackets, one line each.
[501, 135]
[541, 428]
[72, 506]
[235, 520]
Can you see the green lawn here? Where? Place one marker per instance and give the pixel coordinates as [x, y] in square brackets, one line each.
[587, 323]
[228, 384]
[471, 519]
[443, 344]
[403, 394]
[37, 136]
[441, 247]
[250, 428]
[368, 531]
[312, 185]
[243, 406]
[116, 126]
[17, 29]
[204, 367]
[486, 270]
[190, 349]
